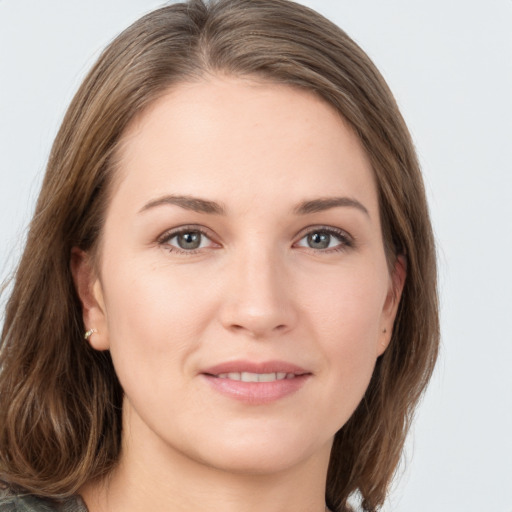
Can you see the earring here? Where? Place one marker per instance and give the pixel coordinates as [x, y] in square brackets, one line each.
[89, 333]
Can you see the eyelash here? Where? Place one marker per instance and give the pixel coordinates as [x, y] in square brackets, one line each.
[169, 235]
[346, 240]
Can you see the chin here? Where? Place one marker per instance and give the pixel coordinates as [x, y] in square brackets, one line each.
[261, 453]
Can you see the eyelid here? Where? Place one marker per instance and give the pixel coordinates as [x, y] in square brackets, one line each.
[346, 239]
[164, 238]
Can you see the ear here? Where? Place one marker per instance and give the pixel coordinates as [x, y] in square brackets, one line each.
[90, 293]
[390, 309]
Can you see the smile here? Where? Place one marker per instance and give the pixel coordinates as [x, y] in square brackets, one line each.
[256, 377]
[256, 383]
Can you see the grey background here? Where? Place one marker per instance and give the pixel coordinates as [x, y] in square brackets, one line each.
[449, 63]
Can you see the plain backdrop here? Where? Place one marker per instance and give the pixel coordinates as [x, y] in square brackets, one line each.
[449, 63]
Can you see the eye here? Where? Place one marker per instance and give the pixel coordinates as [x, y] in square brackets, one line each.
[185, 240]
[326, 239]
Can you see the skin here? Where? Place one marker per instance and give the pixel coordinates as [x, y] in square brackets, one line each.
[257, 289]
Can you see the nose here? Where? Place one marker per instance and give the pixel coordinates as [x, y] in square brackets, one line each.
[258, 296]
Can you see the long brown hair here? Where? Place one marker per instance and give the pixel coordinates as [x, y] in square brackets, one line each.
[60, 401]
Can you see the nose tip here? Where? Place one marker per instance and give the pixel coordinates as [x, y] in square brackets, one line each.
[258, 302]
[258, 324]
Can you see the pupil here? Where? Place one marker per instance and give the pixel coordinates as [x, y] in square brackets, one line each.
[319, 240]
[190, 240]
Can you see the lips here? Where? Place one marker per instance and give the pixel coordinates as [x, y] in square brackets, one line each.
[256, 377]
[256, 383]
[266, 367]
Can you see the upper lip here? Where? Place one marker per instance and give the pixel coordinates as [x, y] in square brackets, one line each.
[255, 367]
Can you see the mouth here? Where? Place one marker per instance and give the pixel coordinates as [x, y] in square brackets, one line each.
[255, 377]
[256, 383]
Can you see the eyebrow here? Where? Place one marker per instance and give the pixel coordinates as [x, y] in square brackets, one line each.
[195, 204]
[199, 205]
[326, 203]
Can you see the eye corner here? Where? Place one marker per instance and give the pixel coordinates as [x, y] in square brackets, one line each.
[200, 239]
[324, 238]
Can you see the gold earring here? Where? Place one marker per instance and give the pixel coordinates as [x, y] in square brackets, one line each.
[89, 333]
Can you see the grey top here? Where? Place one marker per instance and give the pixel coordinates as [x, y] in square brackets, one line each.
[31, 503]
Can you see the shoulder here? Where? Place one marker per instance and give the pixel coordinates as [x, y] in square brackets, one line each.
[24, 503]
[31, 503]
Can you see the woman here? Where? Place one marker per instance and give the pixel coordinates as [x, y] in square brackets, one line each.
[234, 219]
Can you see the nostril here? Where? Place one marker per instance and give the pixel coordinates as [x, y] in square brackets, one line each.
[259, 318]
[257, 331]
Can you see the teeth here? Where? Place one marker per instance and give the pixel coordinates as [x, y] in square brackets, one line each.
[256, 377]
[267, 377]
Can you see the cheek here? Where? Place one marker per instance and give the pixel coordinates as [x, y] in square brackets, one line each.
[346, 317]
[156, 318]
[155, 315]
[347, 304]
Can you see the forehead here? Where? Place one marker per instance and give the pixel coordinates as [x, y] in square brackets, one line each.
[234, 138]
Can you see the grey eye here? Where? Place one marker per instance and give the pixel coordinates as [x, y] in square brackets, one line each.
[319, 240]
[323, 239]
[186, 240]
[189, 240]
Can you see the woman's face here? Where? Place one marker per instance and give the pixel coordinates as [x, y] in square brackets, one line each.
[243, 288]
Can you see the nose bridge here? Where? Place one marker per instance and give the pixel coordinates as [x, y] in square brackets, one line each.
[258, 301]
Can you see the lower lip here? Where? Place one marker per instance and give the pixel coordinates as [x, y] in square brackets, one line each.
[257, 393]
